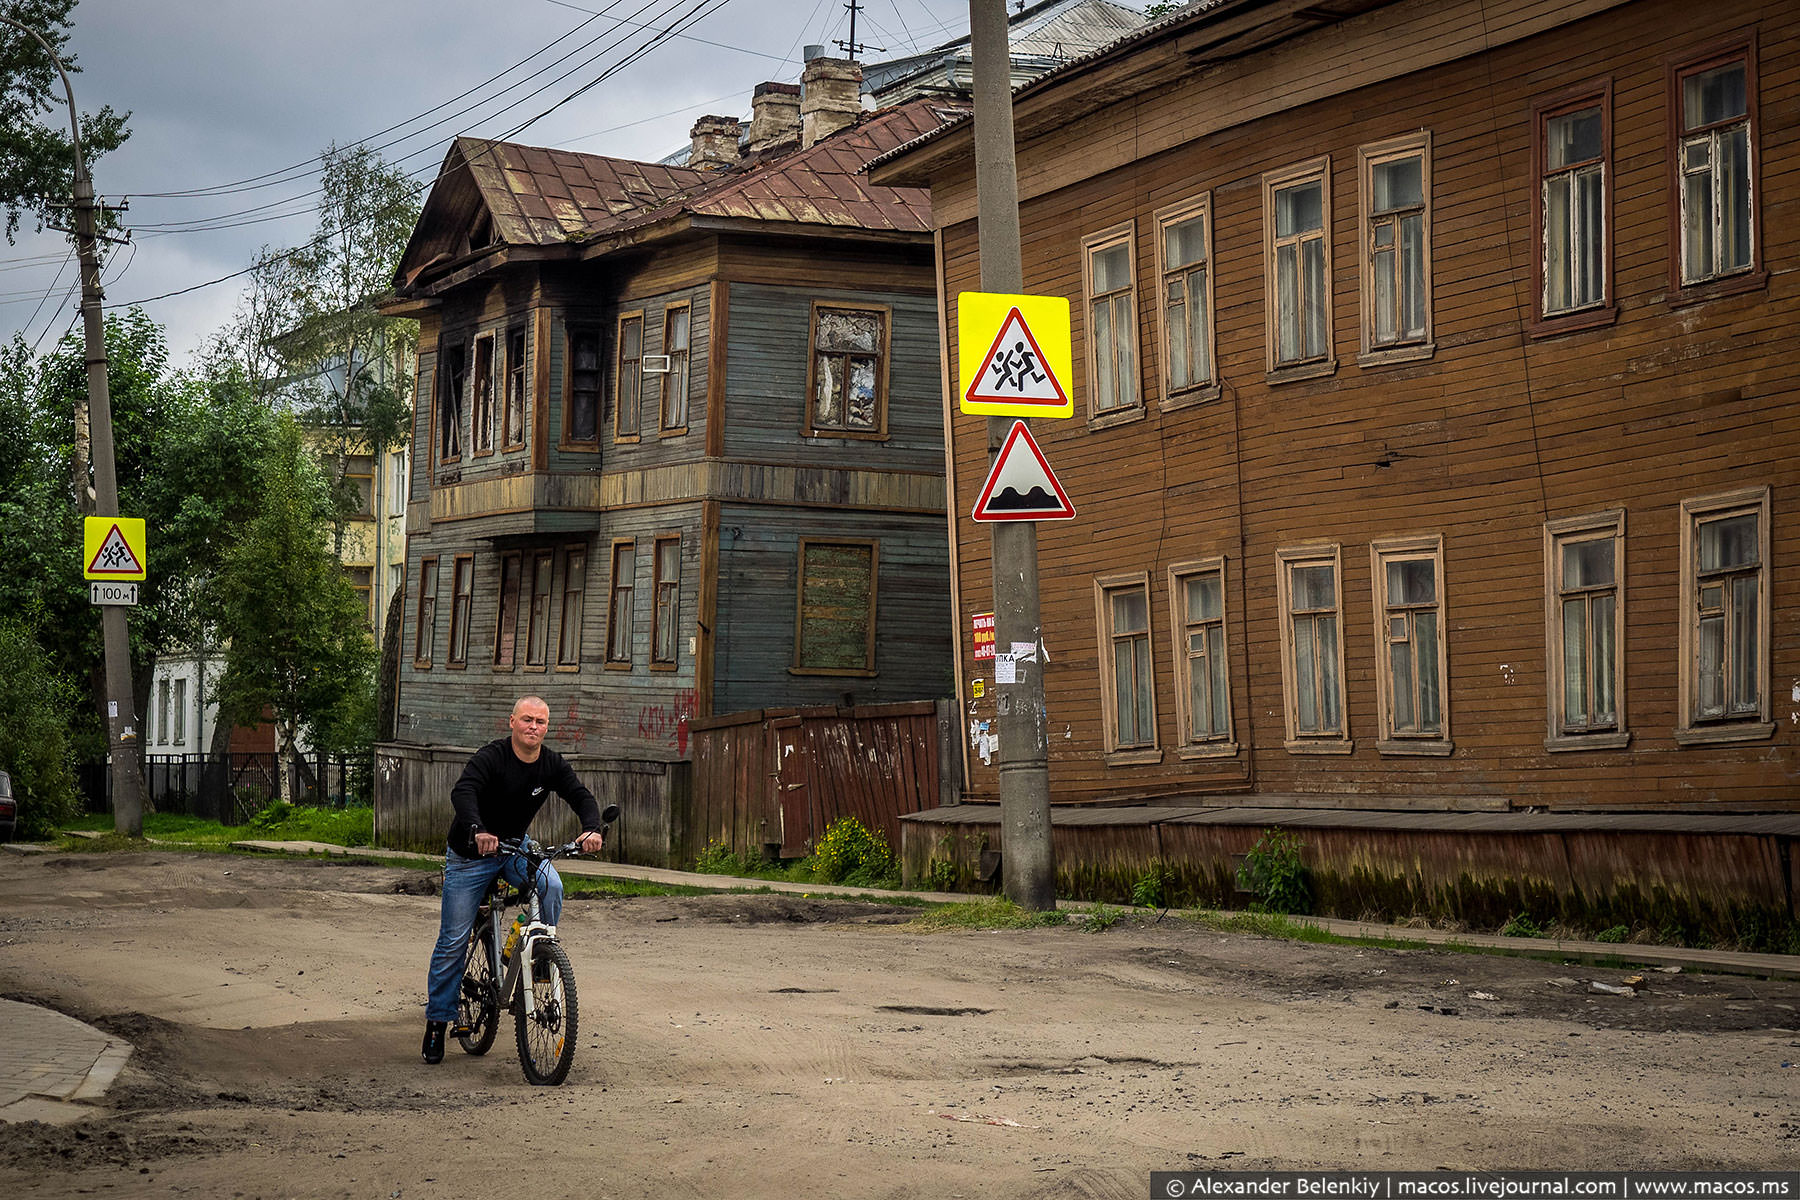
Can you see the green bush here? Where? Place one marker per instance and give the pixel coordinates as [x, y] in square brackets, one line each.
[1152, 887]
[717, 859]
[851, 853]
[1617, 933]
[941, 875]
[1521, 925]
[34, 734]
[1273, 873]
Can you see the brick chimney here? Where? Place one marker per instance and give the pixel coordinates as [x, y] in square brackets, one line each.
[774, 116]
[715, 143]
[830, 97]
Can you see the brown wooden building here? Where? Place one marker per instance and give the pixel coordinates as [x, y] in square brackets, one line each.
[677, 447]
[1437, 432]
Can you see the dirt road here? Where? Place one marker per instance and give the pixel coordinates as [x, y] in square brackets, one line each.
[761, 1046]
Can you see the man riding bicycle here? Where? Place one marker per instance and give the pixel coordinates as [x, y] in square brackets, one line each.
[501, 790]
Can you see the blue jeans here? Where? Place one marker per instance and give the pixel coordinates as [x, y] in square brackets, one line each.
[466, 881]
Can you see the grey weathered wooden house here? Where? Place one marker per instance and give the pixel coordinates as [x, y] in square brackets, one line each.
[678, 445]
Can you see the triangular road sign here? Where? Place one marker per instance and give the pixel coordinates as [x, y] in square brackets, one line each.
[115, 557]
[1021, 486]
[1015, 373]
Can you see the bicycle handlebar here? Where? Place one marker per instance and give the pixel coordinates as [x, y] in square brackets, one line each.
[536, 850]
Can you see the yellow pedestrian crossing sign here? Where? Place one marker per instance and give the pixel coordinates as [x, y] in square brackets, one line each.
[113, 548]
[1014, 354]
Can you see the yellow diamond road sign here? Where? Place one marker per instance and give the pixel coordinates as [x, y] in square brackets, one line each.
[1014, 353]
[113, 548]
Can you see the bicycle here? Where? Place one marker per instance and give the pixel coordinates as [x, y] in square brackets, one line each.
[545, 1010]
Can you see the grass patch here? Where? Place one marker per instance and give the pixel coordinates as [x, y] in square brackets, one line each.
[997, 913]
[276, 823]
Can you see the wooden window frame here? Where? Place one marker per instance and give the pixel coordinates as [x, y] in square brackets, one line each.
[518, 390]
[1201, 390]
[1287, 558]
[1124, 234]
[684, 374]
[425, 615]
[1740, 47]
[364, 511]
[449, 406]
[661, 611]
[573, 329]
[542, 562]
[1106, 638]
[513, 560]
[573, 615]
[462, 608]
[362, 582]
[481, 398]
[1222, 745]
[613, 592]
[811, 427]
[1543, 111]
[1281, 370]
[1690, 730]
[1590, 527]
[628, 368]
[1377, 154]
[1429, 547]
[869, 642]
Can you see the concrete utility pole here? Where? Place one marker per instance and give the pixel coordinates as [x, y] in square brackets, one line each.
[121, 718]
[1027, 864]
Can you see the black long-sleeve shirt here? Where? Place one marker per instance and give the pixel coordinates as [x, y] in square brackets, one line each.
[499, 794]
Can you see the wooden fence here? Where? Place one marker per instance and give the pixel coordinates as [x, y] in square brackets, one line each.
[770, 781]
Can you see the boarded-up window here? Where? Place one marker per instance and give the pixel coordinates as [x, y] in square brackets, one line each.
[507, 631]
[538, 635]
[848, 392]
[462, 583]
[627, 400]
[514, 424]
[424, 632]
[450, 403]
[568, 653]
[582, 421]
[835, 630]
[483, 434]
[619, 605]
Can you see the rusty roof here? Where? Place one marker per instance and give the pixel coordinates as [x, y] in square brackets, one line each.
[541, 197]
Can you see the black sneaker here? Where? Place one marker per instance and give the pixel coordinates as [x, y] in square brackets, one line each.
[433, 1049]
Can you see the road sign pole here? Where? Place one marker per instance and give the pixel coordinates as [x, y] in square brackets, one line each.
[1028, 867]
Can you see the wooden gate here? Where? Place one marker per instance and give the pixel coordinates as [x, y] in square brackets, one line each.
[773, 780]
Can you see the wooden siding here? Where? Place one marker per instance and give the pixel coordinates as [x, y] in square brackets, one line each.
[1481, 444]
[759, 590]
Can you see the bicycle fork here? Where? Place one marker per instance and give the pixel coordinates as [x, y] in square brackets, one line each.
[523, 954]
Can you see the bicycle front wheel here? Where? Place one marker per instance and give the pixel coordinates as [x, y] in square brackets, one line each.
[547, 1033]
[478, 1003]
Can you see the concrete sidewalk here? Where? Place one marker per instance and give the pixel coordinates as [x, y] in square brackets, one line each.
[53, 1068]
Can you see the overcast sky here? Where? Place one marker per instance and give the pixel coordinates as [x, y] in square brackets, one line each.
[226, 91]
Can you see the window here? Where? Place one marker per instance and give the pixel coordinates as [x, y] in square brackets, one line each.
[618, 609]
[847, 385]
[1202, 680]
[1109, 283]
[506, 632]
[462, 583]
[1575, 258]
[1395, 180]
[180, 712]
[581, 421]
[1714, 102]
[1725, 633]
[424, 633]
[1127, 687]
[483, 407]
[397, 483]
[1312, 653]
[1408, 576]
[1184, 253]
[834, 623]
[512, 436]
[675, 384]
[1584, 565]
[362, 579]
[537, 638]
[162, 712]
[665, 623]
[396, 578]
[568, 647]
[1297, 253]
[450, 404]
[359, 476]
[630, 383]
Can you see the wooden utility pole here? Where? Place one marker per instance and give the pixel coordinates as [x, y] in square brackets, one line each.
[123, 735]
[1027, 864]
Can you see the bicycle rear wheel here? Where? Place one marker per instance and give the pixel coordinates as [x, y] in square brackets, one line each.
[478, 1003]
[547, 1034]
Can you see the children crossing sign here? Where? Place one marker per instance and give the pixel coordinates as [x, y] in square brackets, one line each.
[1014, 354]
[113, 548]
